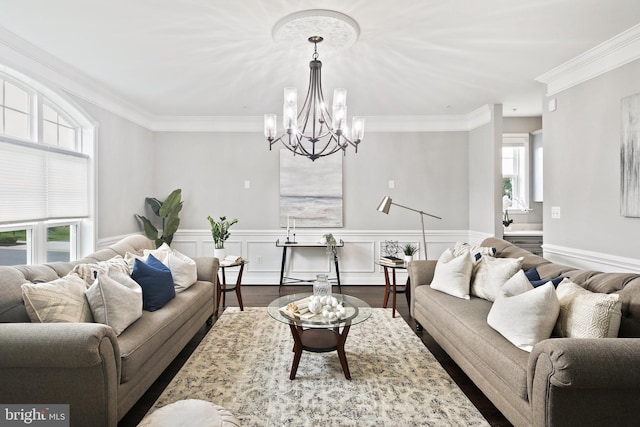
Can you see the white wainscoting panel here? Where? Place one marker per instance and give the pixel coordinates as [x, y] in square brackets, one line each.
[356, 258]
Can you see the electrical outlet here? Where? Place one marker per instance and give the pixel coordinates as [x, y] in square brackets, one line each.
[555, 212]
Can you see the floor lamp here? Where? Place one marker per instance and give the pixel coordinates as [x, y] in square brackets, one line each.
[385, 205]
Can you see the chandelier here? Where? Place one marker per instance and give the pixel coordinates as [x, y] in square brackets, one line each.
[314, 132]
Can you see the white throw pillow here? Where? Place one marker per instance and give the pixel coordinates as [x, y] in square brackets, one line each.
[183, 269]
[522, 314]
[586, 314]
[88, 271]
[115, 299]
[453, 274]
[61, 300]
[160, 254]
[491, 274]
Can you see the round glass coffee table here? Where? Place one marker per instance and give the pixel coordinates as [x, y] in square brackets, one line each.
[318, 334]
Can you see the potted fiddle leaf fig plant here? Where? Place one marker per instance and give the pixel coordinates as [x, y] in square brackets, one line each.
[167, 210]
[220, 233]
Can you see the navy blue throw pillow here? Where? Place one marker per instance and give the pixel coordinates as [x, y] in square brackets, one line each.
[556, 282]
[532, 274]
[156, 281]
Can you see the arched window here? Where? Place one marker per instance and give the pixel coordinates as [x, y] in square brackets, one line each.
[46, 174]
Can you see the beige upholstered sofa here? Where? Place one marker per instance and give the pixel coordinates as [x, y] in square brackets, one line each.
[563, 381]
[100, 375]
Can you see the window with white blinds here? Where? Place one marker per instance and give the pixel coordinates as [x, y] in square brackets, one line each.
[37, 183]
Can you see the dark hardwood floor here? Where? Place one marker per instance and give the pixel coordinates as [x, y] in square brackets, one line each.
[261, 296]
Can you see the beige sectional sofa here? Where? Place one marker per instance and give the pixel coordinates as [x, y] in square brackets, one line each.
[563, 381]
[86, 365]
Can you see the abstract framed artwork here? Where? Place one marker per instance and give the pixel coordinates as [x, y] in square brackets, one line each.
[310, 192]
[630, 156]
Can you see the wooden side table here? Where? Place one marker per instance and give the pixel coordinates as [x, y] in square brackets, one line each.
[223, 288]
[404, 289]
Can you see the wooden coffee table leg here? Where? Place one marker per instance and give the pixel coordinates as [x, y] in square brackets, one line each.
[341, 354]
[297, 349]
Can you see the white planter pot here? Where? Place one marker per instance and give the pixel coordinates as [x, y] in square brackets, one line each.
[220, 253]
[408, 259]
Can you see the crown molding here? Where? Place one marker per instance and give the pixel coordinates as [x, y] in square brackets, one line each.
[30, 60]
[22, 56]
[607, 56]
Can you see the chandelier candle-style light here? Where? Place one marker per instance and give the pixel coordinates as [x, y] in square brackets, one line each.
[314, 132]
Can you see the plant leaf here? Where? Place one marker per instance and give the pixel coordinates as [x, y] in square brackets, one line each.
[149, 229]
[171, 203]
[171, 227]
[155, 204]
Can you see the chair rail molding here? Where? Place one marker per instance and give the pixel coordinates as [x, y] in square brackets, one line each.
[590, 260]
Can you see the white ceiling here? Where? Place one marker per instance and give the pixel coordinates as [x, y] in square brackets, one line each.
[413, 57]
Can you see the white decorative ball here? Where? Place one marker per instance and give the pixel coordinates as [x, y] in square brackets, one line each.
[314, 306]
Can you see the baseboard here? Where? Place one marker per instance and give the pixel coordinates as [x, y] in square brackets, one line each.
[589, 260]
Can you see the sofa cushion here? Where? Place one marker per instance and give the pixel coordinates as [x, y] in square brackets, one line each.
[452, 274]
[491, 274]
[523, 314]
[115, 299]
[140, 341]
[156, 281]
[464, 322]
[61, 300]
[585, 314]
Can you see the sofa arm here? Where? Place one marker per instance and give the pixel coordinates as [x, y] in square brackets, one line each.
[207, 268]
[420, 274]
[70, 363]
[575, 381]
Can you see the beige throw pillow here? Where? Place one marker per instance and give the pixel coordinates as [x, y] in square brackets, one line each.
[453, 274]
[183, 269]
[522, 314]
[61, 300]
[491, 274]
[586, 314]
[115, 300]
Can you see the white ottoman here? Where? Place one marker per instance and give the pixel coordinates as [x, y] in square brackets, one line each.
[190, 413]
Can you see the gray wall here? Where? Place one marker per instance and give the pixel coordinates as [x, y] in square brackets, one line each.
[485, 176]
[430, 171]
[124, 173]
[582, 166]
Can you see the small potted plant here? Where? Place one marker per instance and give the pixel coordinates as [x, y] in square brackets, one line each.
[220, 233]
[409, 250]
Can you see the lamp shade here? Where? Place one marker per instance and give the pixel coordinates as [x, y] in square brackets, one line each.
[385, 204]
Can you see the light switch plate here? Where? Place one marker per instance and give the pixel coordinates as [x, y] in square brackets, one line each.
[392, 184]
[247, 184]
[555, 212]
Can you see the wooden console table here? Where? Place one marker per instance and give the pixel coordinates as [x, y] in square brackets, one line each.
[290, 280]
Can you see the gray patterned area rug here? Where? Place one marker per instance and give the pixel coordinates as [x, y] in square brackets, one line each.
[243, 364]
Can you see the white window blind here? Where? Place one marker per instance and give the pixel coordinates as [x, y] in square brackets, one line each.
[38, 184]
